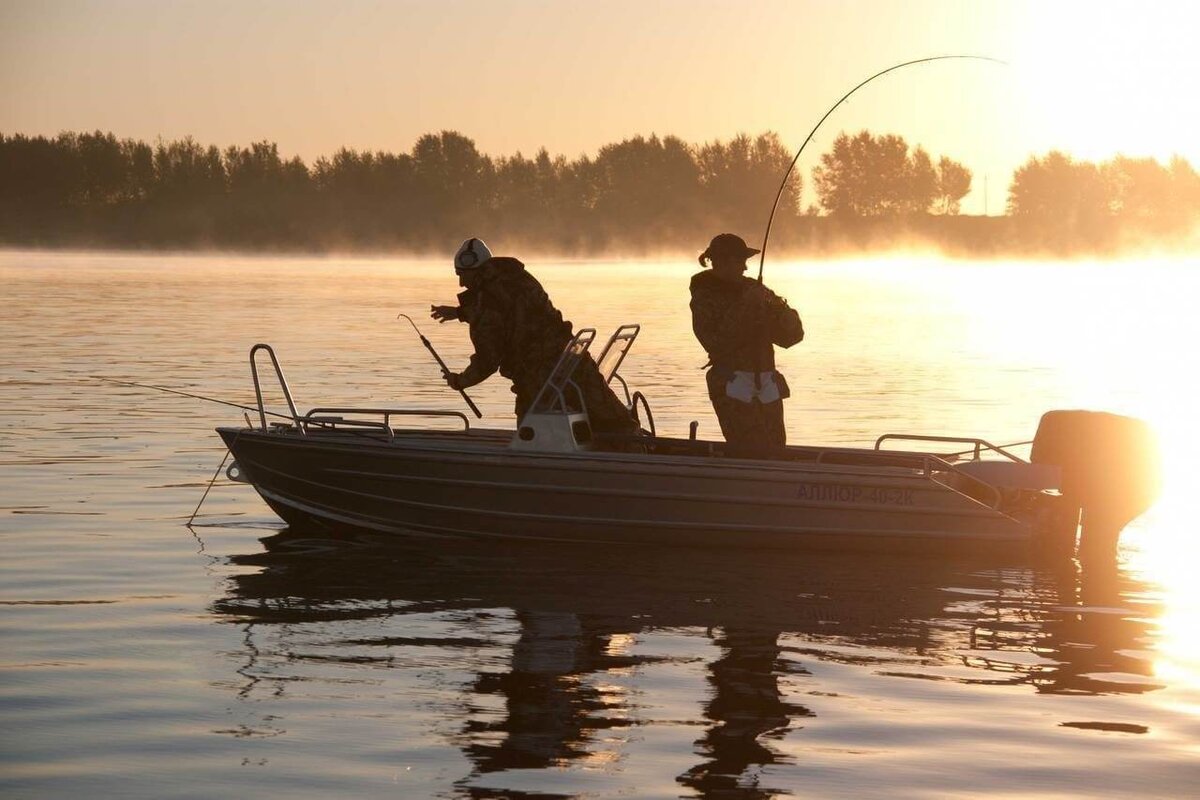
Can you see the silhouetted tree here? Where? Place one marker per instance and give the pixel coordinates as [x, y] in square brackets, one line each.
[184, 170]
[453, 180]
[187, 193]
[922, 183]
[1060, 202]
[267, 196]
[1137, 188]
[103, 173]
[1185, 194]
[1148, 196]
[92, 188]
[36, 173]
[367, 198]
[524, 195]
[739, 179]
[953, 183]
[1057, 186]
[869, 176]
[645, 189]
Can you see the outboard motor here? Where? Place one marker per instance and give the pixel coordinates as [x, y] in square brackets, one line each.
[1110, 471]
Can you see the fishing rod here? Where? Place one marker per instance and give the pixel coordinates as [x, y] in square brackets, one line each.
[782, 184]
[442, 364]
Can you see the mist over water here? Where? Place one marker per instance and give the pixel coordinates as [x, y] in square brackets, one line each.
[243, 660]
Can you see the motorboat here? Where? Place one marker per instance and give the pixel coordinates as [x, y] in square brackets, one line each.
[402, 471]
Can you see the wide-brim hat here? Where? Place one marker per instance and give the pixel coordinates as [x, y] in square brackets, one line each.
[730, 244]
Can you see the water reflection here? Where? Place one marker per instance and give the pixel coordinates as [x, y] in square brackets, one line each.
[747, 709]
[547, 641]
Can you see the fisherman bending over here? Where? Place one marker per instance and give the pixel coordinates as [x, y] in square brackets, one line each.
[738, 321]
[518, 331]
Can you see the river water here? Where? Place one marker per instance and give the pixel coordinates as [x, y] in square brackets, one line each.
[142, 658]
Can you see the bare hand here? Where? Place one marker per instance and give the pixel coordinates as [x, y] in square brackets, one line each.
[454, 380]
[444, 313]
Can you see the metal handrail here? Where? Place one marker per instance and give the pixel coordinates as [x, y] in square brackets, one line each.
[979, 443]
[387, 413]
[287, 393]
[948, 467]
[333, 422]
[582, 340]
[626, 333]
[301, 423]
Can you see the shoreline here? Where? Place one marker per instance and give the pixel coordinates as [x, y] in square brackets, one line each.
[533, 254]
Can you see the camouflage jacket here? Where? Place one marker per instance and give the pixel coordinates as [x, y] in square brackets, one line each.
[739, 322]
[514, 326]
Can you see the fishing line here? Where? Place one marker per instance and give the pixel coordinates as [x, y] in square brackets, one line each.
[186, 394]
[204, 497]
[763, 257]
[308, 421]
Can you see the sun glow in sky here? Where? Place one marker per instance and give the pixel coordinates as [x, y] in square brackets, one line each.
[1106, 77]
[1091, 78]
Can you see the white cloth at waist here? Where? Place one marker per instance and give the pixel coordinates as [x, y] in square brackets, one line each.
[766, 389]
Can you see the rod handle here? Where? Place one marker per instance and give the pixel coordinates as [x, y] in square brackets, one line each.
[442, 364]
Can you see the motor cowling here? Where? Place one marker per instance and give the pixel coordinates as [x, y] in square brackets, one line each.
[1110, 470]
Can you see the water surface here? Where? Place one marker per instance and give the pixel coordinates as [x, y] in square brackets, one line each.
[243, 660]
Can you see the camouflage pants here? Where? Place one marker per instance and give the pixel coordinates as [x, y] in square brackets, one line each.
[751, 430]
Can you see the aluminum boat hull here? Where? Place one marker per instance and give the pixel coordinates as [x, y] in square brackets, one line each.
[472, 484]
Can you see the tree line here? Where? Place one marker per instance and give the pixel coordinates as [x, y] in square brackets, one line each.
[639, 195]
[1064, 203]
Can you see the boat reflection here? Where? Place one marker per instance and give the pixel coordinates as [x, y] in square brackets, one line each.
[562, 625]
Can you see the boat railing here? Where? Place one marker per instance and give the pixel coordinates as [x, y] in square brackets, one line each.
[327, 417]
[331, 417]
[927, 463]
[980, 445]
[283, 384]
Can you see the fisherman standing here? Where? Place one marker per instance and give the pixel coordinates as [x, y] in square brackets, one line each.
[517, 331]
[738, 322]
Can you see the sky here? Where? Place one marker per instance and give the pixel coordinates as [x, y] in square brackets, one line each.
[1091, 78]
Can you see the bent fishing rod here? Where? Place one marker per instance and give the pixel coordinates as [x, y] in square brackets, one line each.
[442, 364]
[782, 184]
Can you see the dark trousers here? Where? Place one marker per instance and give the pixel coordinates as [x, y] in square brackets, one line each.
[751, 430]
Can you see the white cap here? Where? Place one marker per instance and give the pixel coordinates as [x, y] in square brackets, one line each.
[471, 255]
